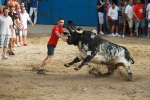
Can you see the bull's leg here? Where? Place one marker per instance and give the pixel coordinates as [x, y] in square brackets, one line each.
[128, 71]
[71, 63]
[87, 59]
[111, 70]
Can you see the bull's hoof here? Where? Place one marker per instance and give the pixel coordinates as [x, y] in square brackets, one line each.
[66, 65]
[130, 75]
[77, 68]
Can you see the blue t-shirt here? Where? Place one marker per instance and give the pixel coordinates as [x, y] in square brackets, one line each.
[33, 3]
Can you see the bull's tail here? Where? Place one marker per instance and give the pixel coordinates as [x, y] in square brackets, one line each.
[132, 60]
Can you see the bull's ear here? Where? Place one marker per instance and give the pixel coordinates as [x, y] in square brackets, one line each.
[71, 24]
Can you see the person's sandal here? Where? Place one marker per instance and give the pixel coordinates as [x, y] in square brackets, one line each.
[41, 71]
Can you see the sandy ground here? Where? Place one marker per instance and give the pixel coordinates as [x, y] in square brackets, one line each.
[19, 80]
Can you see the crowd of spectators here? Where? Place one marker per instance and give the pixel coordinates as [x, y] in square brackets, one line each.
[131, 14]
[13, 27]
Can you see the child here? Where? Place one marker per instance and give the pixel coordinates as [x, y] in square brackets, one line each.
[18, 30]
[1, 10]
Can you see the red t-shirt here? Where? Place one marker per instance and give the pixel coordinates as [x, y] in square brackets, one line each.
[138, 10]
[54, 38]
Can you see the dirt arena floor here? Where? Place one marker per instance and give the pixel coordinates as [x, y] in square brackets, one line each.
[19, 80]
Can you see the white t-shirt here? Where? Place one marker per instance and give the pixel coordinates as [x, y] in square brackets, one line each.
[5, 23]
[148, 9]
[113, 13]
[24, 18]
[129, 11]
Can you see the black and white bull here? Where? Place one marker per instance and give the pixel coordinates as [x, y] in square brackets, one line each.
[92, 46]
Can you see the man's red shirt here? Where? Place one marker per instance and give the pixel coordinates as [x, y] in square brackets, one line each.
[54, 38]
[138, 9]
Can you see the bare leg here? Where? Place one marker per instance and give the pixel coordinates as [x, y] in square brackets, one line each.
[13, 41]
[20, 37]
[4, 51]
[136, 30]
[131, 32]
[17, 39]
[10, 44]
[101, 27]
[116, 29]
[1, 53]
[112, 28]
[24, 39]
[46, 61]
[124, 28]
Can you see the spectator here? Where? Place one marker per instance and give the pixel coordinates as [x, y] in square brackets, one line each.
[24, 17]
[55, 35]
[7, 4]
[18, 32]
[129, 16]
[22, 4]
[14, 2]
[143, 20]
[100, 9]
[120, 17]
[108, 24]
[1, 10]
[138, 15]
[148, 18]
[33, 8]
[113, 16]
[13, 37]
[124, 17]
[6, 29]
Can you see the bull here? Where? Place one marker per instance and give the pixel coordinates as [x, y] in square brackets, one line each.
[92, 46]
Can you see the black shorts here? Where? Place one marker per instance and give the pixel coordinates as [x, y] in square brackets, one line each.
[50, 49]
[115, 22]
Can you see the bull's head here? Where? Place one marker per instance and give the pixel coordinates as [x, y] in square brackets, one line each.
[75, 34]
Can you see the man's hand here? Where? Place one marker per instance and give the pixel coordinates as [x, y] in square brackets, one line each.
[113, 20]
[147, 18]
[103, 3]
[64, 39]
[128, 19]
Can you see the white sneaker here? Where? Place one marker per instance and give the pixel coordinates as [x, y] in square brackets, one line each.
[5, 57]
[15, 45]
[117, 35]
[18, 45]
[113, 35]
[101, 33]
[122, 35]
[14, 49]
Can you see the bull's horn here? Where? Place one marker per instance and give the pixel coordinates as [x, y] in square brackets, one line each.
[71, 29]
[80, 32]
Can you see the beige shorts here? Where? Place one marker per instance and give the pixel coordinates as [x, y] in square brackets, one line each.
[14, 36]
[20, 33]
[24, 32]
[130, 23]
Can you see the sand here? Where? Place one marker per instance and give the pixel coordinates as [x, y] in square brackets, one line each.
[19, 80]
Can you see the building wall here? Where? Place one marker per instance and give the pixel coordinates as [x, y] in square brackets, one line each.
[82, 13]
